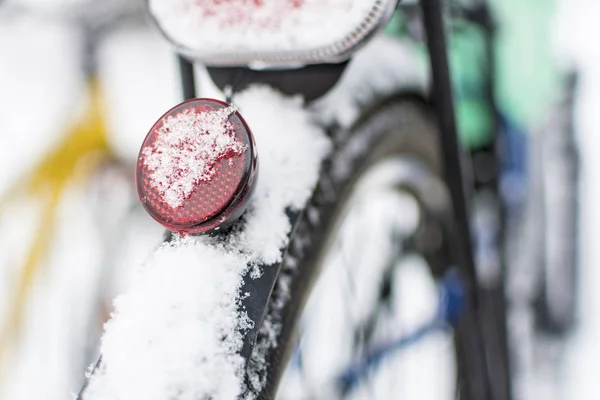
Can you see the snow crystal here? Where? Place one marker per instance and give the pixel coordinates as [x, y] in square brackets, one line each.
[209, 26]
[186, 148]
[178, 331]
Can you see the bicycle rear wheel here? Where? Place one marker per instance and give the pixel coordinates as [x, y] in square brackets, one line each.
[342, 290]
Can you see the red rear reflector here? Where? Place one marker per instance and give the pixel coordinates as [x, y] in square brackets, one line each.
[197, 167]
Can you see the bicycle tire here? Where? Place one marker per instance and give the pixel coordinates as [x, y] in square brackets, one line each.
[400, 126]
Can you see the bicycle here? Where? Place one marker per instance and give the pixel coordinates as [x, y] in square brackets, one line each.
[231, 330]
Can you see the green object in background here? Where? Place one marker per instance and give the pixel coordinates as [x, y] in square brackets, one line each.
[397, 25]
[527, 79]
[468, 64]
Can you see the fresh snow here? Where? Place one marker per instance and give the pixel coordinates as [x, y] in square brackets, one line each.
[179, 328]
[186, 147]
[223, 27]
[176, 331]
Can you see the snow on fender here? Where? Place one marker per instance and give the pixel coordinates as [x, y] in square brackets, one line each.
[179, 329]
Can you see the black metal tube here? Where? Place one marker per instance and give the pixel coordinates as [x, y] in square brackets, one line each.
[188, 82]
[474, 377]
[493, 305]
[493, 297]
[453, 153]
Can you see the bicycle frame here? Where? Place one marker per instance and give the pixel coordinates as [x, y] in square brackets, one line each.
[459, 187]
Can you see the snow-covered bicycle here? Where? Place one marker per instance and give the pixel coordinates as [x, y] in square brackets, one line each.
[318, 220]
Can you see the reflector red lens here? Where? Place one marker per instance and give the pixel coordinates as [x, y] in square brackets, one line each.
[197, 167]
